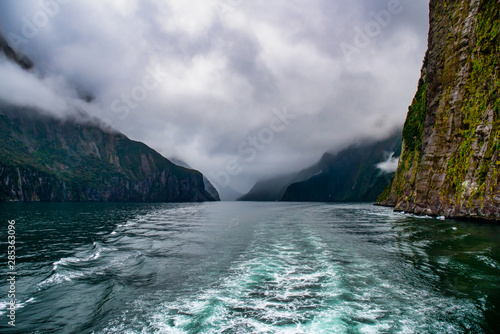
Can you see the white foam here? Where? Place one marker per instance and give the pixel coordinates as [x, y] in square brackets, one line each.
[63, 272]
[58, 278]
[489, 261]
[94, 255]
[4, 305]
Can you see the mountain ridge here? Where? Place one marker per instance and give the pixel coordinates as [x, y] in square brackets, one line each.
[43, 158]
[209, 187]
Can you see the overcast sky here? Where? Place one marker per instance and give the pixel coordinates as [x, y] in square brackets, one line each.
[250, 88]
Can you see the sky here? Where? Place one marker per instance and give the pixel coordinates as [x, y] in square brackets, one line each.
[241, 90]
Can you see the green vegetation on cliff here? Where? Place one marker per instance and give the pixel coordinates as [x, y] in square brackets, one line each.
[413, 130]
[481, 108]
[47, 159]
[451, 140]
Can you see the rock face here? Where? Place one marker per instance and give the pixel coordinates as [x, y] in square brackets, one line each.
[46, 159]
[451, 139]
[209, 187]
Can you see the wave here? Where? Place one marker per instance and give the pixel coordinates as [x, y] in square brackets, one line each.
[69, 268]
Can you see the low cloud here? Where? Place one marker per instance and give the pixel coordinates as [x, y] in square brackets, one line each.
[25, 89]
[228, 65]
[390, 165]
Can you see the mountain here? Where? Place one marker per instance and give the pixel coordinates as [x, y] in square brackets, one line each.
[271, 189]
[451, 139]
[303, 186]
[352, 175]
[21, 60]
[43, 158]
[225, 193]
[209, 187]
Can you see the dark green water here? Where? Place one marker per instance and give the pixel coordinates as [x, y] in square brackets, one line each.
[248, 268]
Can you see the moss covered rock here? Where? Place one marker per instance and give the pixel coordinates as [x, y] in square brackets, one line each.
[451, 140]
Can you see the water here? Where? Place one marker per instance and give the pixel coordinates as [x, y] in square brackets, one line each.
[248, 268]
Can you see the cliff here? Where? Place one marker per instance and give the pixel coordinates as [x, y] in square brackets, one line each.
[209, 187]
[47, 159]
[451, 139]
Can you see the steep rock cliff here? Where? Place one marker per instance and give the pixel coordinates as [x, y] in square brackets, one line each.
[451, 139]
[209, 187]
[47, 159]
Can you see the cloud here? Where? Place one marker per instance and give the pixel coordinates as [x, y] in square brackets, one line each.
[25, 89]
[228, 64]
[390, 165]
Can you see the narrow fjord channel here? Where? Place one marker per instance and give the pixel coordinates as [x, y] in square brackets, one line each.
[249, 268]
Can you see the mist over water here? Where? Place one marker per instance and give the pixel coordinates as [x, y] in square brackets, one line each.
[249, 268]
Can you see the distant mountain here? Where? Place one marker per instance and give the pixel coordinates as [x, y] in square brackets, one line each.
[353, 175]
[224, 193]
[43, 158]
[350, 175]
[209, 187]
[273, 189]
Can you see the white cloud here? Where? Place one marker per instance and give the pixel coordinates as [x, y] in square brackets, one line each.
[390, 165]
[25, 89]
